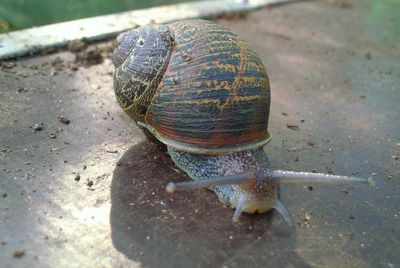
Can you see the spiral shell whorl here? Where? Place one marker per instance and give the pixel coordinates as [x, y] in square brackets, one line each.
[141, 60]
[126, 41]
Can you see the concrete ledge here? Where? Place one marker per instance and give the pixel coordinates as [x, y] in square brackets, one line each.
[36, 39]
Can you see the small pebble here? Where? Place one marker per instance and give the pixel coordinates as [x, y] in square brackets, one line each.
[37, 127]
[64, 120]
[18, 253]
[293, 127]
[89, 183]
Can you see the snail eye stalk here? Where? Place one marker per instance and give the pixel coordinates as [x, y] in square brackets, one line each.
[277, 176]
[282, 176]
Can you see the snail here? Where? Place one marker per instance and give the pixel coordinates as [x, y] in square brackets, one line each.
[205, 94]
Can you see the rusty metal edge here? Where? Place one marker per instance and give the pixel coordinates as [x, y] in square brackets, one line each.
[33, 40]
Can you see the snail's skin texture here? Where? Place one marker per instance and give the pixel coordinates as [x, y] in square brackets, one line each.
[261, 195]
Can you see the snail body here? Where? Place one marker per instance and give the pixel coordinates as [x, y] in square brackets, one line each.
[204, 93]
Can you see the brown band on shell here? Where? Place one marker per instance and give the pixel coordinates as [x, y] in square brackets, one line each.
[215, 92]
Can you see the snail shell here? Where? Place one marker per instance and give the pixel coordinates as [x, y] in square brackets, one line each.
[196, 84]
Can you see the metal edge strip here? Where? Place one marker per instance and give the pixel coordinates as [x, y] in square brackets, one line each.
[33, 40]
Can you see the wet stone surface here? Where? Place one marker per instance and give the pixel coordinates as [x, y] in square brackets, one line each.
[82, 186]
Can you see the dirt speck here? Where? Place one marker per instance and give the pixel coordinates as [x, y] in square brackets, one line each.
[7, 64]
[347, 234]
[89, 183]
[77, 176]
[76, 45]
[18, 253]
[22, 89]
[310, 143]
[57, 64]
[37, 127]
[293, 127]
[309, 187]
[63, 120]
[90, 56]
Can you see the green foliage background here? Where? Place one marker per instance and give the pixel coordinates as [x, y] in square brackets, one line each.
[19, 14]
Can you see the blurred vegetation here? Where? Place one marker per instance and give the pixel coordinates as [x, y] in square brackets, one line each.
[20, 14]
[385, 15]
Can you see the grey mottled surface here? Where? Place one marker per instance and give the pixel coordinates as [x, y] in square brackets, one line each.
[334, 71]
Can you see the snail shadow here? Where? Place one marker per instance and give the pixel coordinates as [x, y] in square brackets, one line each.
[190, 228]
